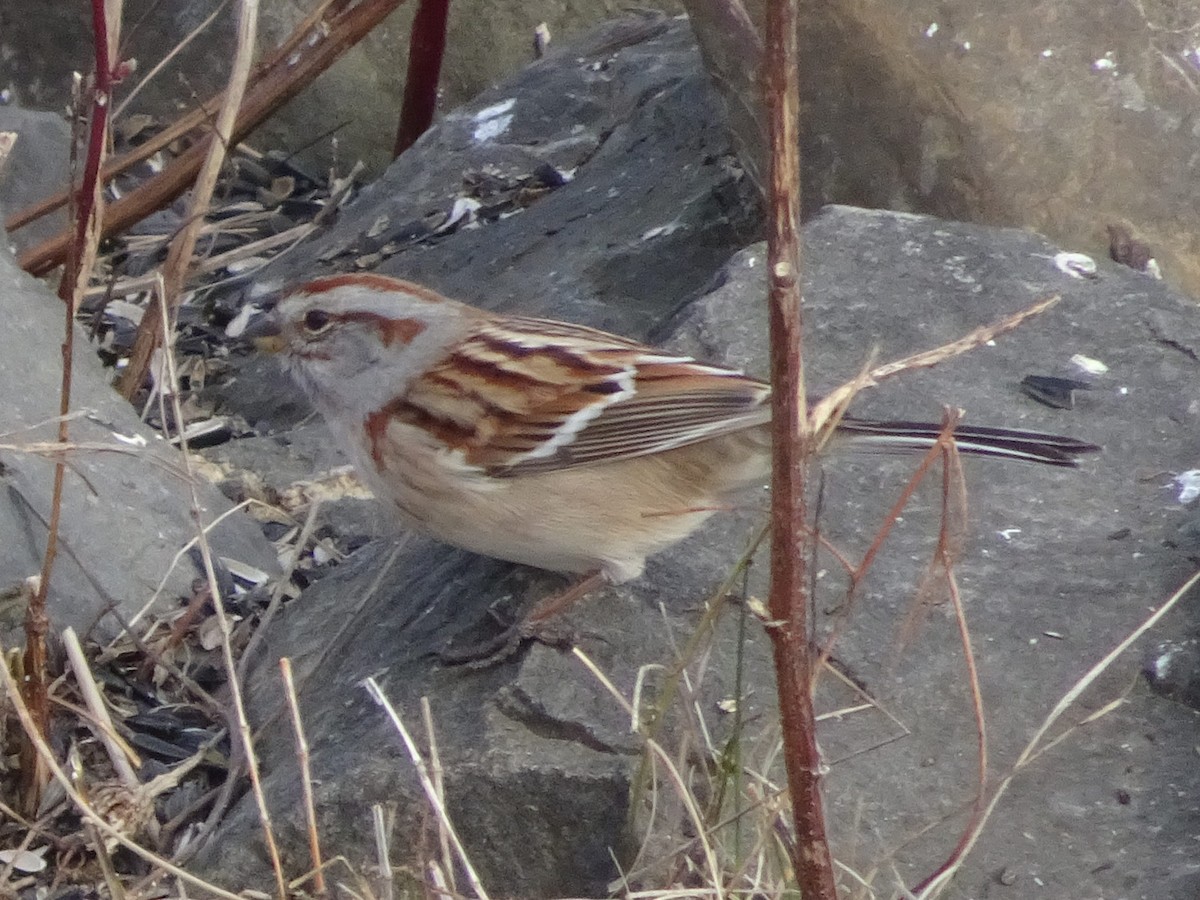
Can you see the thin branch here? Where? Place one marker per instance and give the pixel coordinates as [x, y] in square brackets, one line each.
[180, 253]
[272, 88]
[310, 810]
[89, 212]
[840, 397]
[426, 46]
[248, 9]
[792, 445]
[939, 881]
[104, 729]
[199, 116]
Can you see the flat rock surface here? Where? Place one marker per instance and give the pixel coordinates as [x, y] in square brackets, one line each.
[126, 501]
[1057, 567]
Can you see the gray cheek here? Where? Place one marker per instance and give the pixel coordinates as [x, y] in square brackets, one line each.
[300, 374]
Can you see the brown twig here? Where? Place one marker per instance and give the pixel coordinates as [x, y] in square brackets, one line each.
[839, 398]
[426, 47]
[951, 528]
[178, 129]
[953, 492]
[273, 87]
[858, 573]
[34, 776]
[792, 443]
[239, 722]
[179, 256]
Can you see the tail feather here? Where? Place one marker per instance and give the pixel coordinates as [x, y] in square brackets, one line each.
[974, 440]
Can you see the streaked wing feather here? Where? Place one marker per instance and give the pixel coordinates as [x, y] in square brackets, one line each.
[528, 395]
[676, 403]
[520, 396]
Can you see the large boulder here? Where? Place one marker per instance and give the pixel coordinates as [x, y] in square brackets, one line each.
[1056, 567]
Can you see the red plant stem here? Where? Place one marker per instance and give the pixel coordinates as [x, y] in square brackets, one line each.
[425, 50]
[87, 209]
[791, 442]
[86, 200]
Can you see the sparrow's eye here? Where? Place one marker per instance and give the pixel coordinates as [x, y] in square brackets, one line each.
[316, 321]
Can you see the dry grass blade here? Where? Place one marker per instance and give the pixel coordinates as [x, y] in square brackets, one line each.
[314, 664]
[179, 256]
[382, 856]
[700, 636]
[85, 808]
[287, 239]
[933, 586]
[942, 566]
[439, 785]
[277, 593]
[179, 556]
[310, 811]
[105, 730]
[942, 879]
[840, 397]
[8, 140]
[858, 573]
[218, 605]
[427, 785]
[680, 783]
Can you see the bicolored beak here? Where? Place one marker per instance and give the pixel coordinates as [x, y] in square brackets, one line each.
[264, 330]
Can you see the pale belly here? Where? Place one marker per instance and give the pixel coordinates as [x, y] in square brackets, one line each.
[607, 517]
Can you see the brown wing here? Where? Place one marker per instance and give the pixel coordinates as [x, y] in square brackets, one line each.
[526, 395]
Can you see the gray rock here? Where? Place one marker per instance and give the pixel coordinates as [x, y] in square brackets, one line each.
[42, 45]
[36, 168]
[640, 136]
[1056, 567]
[126, 507]
[357, 101]
[1065, 117]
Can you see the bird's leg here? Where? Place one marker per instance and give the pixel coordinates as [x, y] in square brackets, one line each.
[535, 625]
[557, 603]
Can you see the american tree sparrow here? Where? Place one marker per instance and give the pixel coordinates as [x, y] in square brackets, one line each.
[541, 442]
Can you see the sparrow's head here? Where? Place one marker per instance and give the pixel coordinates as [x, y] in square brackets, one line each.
[353, 341]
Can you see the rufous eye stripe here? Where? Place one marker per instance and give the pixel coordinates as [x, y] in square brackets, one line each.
[391, 331]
